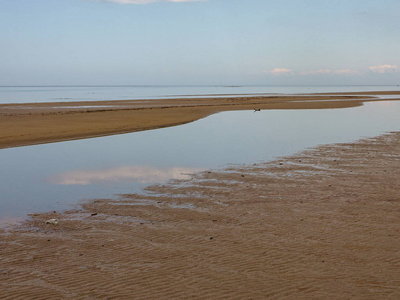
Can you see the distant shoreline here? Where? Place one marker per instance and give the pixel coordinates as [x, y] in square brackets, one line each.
[38, 123]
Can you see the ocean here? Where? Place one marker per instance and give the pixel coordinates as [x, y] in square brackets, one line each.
[30, 94]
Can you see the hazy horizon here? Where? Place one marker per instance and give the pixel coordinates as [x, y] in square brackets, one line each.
[190, 85]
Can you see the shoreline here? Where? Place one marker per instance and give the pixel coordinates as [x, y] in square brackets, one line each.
[323, 223]
[38, 123]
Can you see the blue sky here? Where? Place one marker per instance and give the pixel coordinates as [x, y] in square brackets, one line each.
[67, 42]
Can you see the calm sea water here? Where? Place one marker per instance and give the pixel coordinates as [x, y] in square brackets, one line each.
[55, 176]
[29, 94]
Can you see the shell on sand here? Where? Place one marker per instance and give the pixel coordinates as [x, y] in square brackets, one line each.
[52, 221]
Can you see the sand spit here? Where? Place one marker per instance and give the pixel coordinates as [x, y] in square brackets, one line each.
[36, 123]
[323, 224]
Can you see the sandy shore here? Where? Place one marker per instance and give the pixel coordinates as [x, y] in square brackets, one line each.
[35, 123]
[323, 224]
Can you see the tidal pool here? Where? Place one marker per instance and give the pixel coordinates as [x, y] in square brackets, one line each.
[58, 175]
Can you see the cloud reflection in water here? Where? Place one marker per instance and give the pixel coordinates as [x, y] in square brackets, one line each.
[142, 174]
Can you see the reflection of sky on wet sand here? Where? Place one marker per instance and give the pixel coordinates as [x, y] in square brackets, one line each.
[54, 176]
[140, 174]
[8, 221]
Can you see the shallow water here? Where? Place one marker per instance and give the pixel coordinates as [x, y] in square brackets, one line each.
[54, 176]
[29, 94]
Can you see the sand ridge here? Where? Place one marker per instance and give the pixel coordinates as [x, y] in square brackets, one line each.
[36, 123]
[322, 224]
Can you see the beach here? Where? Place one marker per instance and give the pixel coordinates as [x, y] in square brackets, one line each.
[320, 224]
[199, 149]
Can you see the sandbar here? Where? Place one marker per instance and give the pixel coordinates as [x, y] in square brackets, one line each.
[37, 123]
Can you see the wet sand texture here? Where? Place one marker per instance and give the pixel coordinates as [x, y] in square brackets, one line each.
[323, 224]
[36, 123]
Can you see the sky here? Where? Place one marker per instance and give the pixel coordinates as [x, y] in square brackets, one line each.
[199, 42]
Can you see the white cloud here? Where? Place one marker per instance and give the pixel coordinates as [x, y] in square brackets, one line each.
[280, 71]
[381, 69]
[150, 1]
[284, 71]
[142, 174]
[328, 71]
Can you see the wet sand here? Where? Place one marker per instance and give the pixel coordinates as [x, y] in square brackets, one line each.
[322, 224]
[36, 123]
